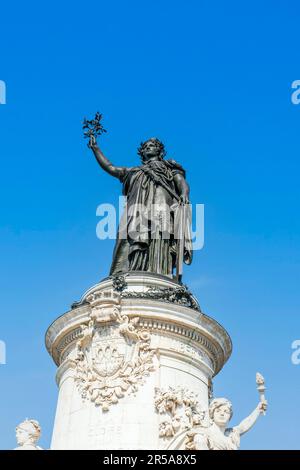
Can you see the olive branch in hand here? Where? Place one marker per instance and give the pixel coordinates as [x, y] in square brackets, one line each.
[93, 128]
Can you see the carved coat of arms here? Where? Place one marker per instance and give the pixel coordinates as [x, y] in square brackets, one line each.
[112, 360]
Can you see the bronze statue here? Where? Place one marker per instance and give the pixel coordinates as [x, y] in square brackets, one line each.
[154, 233]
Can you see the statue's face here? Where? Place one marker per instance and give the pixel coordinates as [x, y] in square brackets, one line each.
[222, 415]
[150, 150]
[23, 435]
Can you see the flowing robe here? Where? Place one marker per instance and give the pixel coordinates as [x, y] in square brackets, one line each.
[147, 233]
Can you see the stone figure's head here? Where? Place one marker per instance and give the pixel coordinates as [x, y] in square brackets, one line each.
[28, 432]
[220, 411]
[152, 149]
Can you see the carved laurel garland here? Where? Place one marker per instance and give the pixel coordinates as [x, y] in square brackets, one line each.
[112, 361]
[177, 295]
[180, 409]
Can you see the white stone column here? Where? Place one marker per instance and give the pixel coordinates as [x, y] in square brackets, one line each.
[134, 365]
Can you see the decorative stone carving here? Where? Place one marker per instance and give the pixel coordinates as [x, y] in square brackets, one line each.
[86, 335]
[27, 434]
[103, 297]
[105, 305]
[112, 361]
[180, 408]
[119, 283]
[103, 351]
[217, 436]
[178, 295]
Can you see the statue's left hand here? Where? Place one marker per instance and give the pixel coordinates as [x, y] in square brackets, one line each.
[184, 199]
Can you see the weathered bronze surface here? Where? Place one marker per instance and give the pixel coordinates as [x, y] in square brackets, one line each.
[154, 233]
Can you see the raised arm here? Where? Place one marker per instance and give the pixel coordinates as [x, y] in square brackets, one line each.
[248, 422]
[107, 165]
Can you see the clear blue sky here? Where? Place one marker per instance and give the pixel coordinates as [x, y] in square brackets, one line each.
[213, 81]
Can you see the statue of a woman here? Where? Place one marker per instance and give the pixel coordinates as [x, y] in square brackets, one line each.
[148, 234]
[217, 436]
[28, 433]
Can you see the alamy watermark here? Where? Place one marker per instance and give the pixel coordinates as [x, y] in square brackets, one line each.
[155, 221]
[2, 92]
[295, 357]
[2, 352]
[295, 97]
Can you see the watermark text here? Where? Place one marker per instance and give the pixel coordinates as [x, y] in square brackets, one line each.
[143, 223]
[295, 357]
[2, 352]
[2, 92]
[295, 97]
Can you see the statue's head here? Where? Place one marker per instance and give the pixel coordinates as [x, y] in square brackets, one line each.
[220, 411]
[28, 432]
[152, 149]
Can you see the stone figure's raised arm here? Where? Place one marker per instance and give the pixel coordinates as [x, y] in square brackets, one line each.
[248, 422]
[107, 165]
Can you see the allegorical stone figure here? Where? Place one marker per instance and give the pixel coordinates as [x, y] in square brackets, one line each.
[154, 233]
[27, 434]
[218, 436]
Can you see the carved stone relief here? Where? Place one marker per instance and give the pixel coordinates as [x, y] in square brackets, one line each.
[179, 408]
[112, 360]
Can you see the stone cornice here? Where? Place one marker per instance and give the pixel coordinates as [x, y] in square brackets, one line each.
[162, 318]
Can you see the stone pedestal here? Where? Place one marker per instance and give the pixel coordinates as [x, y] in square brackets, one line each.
[135, 361]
